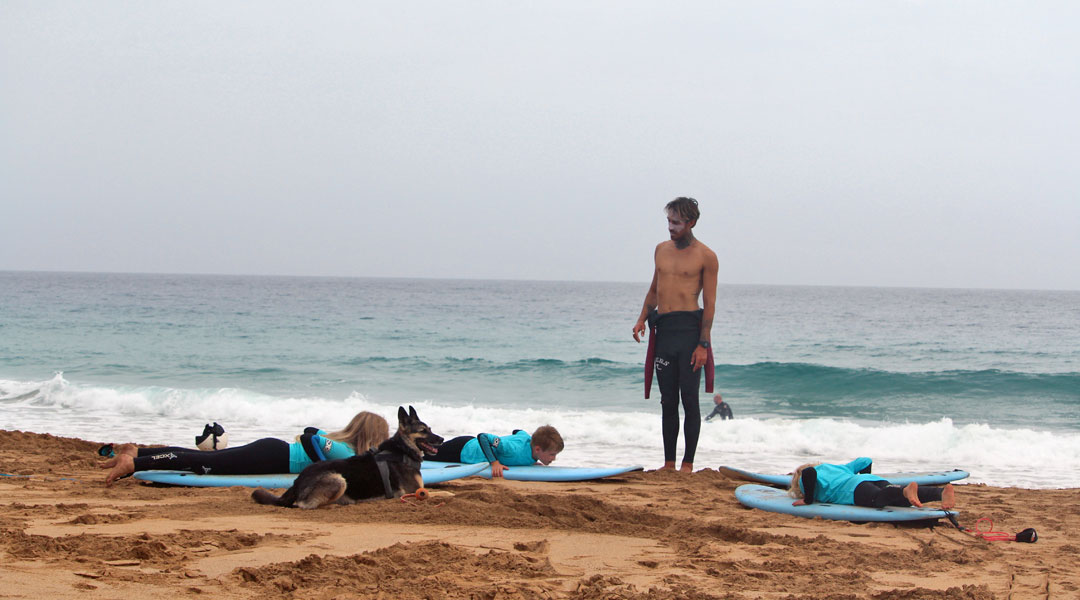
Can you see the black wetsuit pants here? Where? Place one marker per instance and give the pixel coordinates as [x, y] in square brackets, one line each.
[677, 335]
[450, 450]
[879, 494]
[268, 455]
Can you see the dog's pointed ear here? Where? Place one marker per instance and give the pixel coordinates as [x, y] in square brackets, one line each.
[401, 414]
[412, 413]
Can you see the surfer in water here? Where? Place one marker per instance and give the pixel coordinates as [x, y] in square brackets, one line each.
[681, 332]
[722, 409]
[853, 484]
[263, 456]
[516, 449]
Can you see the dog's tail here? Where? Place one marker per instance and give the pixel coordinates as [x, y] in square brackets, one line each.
[264, 497]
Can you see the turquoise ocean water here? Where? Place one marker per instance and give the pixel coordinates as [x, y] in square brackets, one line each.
[985, 380]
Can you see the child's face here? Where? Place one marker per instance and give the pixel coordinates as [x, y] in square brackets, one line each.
[544, 456]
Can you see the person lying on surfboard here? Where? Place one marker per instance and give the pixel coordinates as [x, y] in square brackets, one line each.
[853, 484]
[518, 449]
[261, 457]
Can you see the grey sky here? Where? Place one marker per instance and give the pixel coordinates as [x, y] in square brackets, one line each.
[848, 143]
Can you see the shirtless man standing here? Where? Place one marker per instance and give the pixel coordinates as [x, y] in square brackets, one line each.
[682, 332]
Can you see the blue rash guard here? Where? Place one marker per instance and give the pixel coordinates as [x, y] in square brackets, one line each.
[324, 447]
[835, 484]
[510, 450]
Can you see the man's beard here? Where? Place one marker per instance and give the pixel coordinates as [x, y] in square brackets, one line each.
[684, 242]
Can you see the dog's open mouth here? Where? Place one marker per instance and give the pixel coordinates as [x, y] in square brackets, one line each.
[428, 448]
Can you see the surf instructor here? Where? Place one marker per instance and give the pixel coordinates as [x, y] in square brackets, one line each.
[679, 345]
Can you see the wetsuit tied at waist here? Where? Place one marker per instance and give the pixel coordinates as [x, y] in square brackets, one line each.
[679, 327]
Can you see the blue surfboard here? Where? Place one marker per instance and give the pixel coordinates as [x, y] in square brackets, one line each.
[775, 500]
[284, 480]
[543, 473]
[922, 478]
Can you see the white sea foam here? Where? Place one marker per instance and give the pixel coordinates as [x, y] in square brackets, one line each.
[996, 456]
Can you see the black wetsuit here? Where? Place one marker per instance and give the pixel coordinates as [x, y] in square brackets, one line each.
[267, 455]
[723, 410]
[677, 336]
[879, 494]
[450, 450]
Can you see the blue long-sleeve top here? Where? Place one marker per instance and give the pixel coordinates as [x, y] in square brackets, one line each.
[323, 447]
[513, 450]
[835, 484]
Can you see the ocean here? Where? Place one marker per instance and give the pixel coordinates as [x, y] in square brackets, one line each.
[919, 379]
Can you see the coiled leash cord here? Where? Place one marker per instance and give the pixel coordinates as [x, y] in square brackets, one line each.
[419, 495]
[1028, 535]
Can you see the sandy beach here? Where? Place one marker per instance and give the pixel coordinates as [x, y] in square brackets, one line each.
[646, 535]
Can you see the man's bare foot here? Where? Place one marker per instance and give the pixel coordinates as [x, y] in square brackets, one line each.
[668, 466]
[911, 492]
[948, 497]
[120, 450]
[125, 465]
[686, 468]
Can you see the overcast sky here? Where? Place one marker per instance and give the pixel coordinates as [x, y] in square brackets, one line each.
[884, 143]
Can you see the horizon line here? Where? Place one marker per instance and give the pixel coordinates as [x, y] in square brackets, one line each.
[430, 278]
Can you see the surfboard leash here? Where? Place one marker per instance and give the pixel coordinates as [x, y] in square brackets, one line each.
[1028, 535]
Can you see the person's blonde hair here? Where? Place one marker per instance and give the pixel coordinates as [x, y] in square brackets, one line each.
[794, 490]
[366, 430]
[548, 438]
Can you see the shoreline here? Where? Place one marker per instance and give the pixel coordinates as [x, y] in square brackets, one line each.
[748, 443]
[644, 535]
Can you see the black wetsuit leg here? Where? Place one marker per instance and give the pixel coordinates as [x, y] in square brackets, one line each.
[268, 455]
[160, 449]
[677, 335]
[879, 494]
[450, 450]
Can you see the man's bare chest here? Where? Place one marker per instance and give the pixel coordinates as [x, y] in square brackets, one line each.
[680, 266]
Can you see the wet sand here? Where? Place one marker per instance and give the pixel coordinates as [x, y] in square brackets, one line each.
[646, 535]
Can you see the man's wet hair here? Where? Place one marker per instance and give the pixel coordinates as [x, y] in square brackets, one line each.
[685, 207]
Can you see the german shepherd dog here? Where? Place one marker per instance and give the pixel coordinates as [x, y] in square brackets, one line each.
[362, 477]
